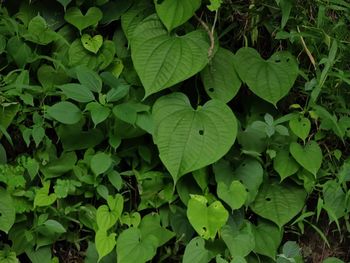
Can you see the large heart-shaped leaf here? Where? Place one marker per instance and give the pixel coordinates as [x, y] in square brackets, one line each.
[162, 60]
[206, 220]
[80, 21]
[235, 195]
[190, 139]
[7, 211]
[309, 157]
[269, 79]
[174, 13]
[220, 78]
[279, 202]
[104, 243]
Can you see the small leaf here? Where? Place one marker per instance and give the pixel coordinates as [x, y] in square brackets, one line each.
[162, 60]
[206, 220]
[132, 247]
[54, 226]
[77, 92]
[214, 5]
[39, 32]
[7, 211]
[300, 126]
[104, 243]
[92, 44]
[239, 241]
[74, 16]
[284, 164]
[190, 139]
[309, 157]
[42, 197]
[195, 252]
[267, 239]
[100, 163]
[65, 112]
[106, 218]
[175, 13]
[279, 202]
[269, 79]
[89, 78]
[234, 195]
[220, 78]
[99, 113]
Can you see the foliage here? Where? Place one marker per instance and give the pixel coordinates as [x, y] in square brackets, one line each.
[173, 130]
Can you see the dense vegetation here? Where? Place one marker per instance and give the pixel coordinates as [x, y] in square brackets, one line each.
[174, 131]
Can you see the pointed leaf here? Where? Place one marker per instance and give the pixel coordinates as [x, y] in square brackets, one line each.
[162, 60]
[196, 252]
[206, 220]
[220, 78]
[65, 112]
[190, 139]
[269, 79]
[7, 211]
[175, 13]
[309, 157]
[74, 16]
[279, 202]
[284, 164]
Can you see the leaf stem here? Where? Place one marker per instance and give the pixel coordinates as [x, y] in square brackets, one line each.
[210, 34]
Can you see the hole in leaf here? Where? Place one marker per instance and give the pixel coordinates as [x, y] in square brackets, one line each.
[268, 199]
[204, 229]
[201, 132]
[197, 245]
[287, 59]
[159, 2]
[211, 89]
[86, 43]
[244, 164]
[241, 181]
[247, 190]
[277, 60]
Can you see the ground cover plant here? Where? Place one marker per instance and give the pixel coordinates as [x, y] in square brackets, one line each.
[174, 131]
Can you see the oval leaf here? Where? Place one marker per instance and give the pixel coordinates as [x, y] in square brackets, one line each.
[77, 92]
[7, 211]
[65, 112]
[162, 60]
[190, 139]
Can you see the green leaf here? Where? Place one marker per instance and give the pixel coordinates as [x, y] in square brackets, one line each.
[267, 239]
[269, 79]
[99, 113]
[214, 5]
[284, 164]
[175, 13]
[59, 166]
[92, 44]
[113, 10]
[104, 243]
[131, 19]
[300, 126]
[206, 220]
[235, 195]
[8, 256]
[150, 226]
[105, 218]
[65, 112]
[74, 16]
[132, 247]
[162, 60]
[239, 241]
[89, 78]
[100, 163]
[78, 55]
[54, 226]
[190, 139]
[220, 78]
[250, 173]
[42, 197]
[7, 211]
[195, 252]
[77, 92]
[279, 202]
[309, 157]
[64, 3]
[332, 260]
[49, 77]
[39, 32]
[19, 51]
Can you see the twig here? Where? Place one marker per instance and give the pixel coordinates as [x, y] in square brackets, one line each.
[210, 34]
[306, 49]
